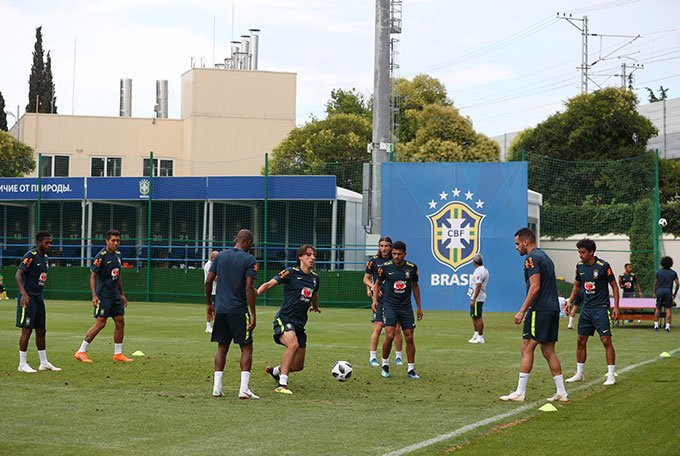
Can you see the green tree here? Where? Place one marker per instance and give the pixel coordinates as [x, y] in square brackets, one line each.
[333, 146]
[414, 96]
[16, 158]
[442, 134]
[348, 102]
[40, 82]
[3, 116]
[602, 125]
[663, 94]
[669, 181]
[48, 91]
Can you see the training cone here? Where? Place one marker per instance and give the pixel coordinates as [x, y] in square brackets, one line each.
[138, 353]
[548, 408]
[665, 355]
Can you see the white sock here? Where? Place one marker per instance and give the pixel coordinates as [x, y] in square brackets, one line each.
[117, 348]
[480, 337]
[208, 325]
[22, 358]
[610, 370]
[411, 366]
[217, 384]
[277, 370]
[571, 321]
[476, 334]
[373, 355]
[580, 368]
[559, 384]
[386, 362]
[245, 379]
[397, 355]
[656, 324]
[83, 346]
[283, 380]
[522, 383]
[668, 326]
[42, 354]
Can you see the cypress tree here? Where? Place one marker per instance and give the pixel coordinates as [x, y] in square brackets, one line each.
[35, 80]
[48, 93]
[3, 116]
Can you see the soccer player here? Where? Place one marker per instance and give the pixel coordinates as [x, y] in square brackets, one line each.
[300, 288]
[398, 278]
[664, 292]
[31, 277]
[233, 313]
[628, 282]
[477, 294]
[540, 312]
[206, 270]
[384, 254]
[593, 274]
[108, 298]
[3, 291]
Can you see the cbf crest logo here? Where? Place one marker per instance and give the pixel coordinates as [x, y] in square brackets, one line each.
[144, 188]
[455, 228]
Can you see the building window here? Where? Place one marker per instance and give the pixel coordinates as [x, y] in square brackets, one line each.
[55, 165]
[162, 168]
[106, 166]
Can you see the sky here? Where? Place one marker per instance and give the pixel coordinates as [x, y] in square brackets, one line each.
[507, 65]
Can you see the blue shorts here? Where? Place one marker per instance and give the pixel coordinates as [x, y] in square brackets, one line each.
[32, 316]
[541, 326]
[110, 308]
[403, 315]
[664, 298]
[232, 326]
[592, 319]
[282, 325]
[378, 314]
[476, 309]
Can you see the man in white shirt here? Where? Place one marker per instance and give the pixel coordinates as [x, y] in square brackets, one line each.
[206, 270]
[477, 295]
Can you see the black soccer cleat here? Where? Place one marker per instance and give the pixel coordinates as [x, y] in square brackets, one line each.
[270, 371]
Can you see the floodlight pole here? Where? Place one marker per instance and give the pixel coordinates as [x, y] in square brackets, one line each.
[148, 230]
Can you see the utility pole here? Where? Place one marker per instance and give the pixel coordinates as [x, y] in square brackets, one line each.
[585, 66]
[626, 77]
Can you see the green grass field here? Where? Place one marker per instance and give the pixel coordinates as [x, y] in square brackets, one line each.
[161, 404]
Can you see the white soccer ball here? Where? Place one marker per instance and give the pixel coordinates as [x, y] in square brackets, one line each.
[663, 222]
[341, 371]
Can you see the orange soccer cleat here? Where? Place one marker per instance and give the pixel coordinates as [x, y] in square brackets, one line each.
[121, 358]
[82, 357]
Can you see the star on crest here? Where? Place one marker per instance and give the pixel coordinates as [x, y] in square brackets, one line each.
[443, 195]
[479, 204]
[455, 191]
[433, 204]
[468, 195]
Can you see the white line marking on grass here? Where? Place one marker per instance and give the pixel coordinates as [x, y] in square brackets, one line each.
[518, 410]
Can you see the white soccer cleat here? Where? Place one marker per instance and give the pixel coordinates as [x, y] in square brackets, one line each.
[611, 380]
[26, 369]
[513, 397]
[576, 378]
[480, 340]
[48, 366]
[558, 398]
[217, 393]
[244, 395]
[472, 340]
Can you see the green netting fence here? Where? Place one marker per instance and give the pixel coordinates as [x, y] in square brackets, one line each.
[615, 202]
[166, 243]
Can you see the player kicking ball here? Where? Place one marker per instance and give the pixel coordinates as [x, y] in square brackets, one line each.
[300, 287]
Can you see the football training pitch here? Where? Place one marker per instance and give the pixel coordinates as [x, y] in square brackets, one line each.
[161, 404]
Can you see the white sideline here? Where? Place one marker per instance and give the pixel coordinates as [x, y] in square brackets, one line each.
[493, 419]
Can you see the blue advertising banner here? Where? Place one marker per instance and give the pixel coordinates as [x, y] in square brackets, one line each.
[53, 188]
[139, 188]
[448, 212]
[280, 187]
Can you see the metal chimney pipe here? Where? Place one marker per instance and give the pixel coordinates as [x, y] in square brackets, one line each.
[161, 99]
[245, 52]
[254, 47]
[125, 98]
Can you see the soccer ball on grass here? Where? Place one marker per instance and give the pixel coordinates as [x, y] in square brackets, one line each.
[341, 371]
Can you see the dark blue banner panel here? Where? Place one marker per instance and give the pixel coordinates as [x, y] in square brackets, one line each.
[139, 188]
[53, 188]
[280, 188]
[448, 212]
